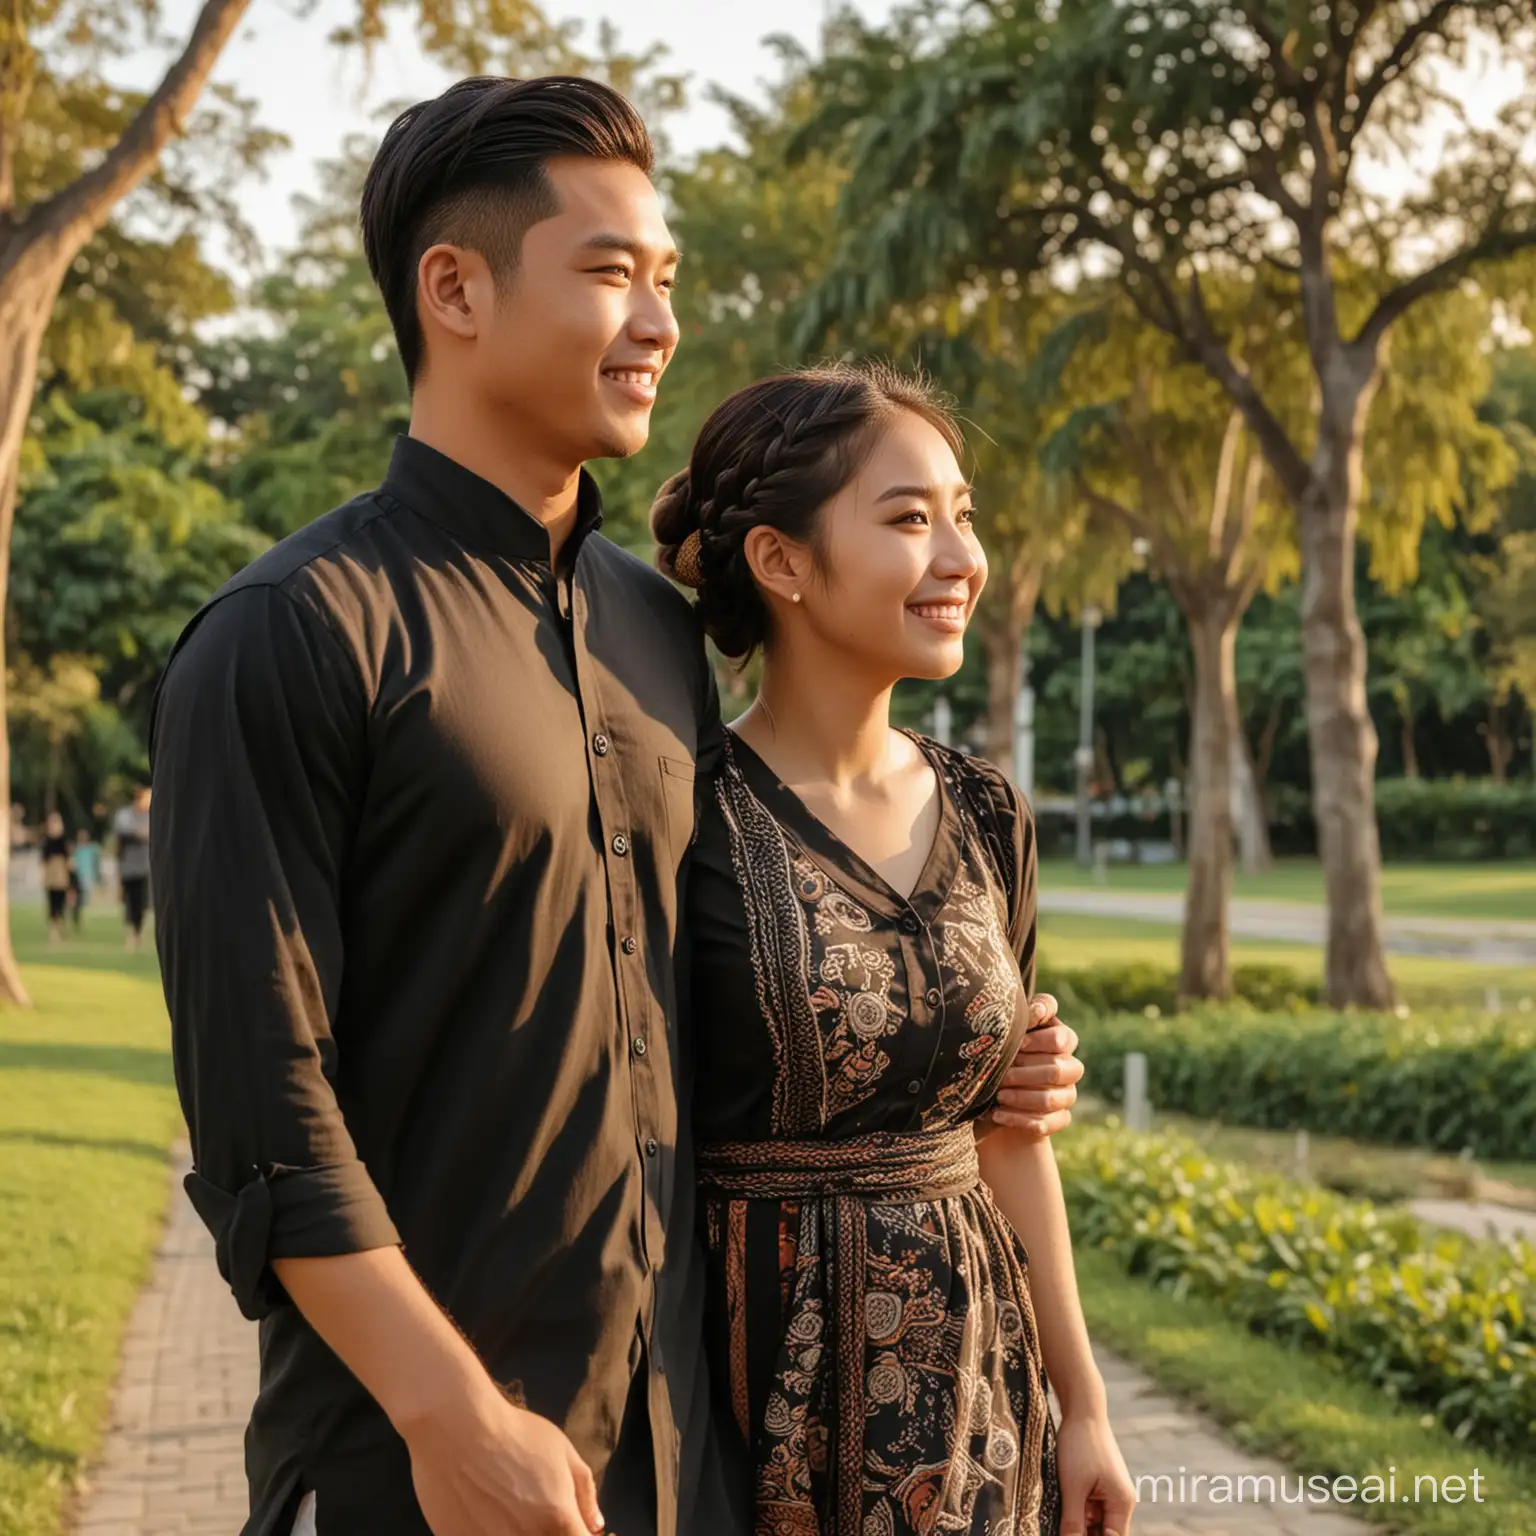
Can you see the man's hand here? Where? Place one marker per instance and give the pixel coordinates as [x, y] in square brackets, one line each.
[1040, 1088]
[497, 1470]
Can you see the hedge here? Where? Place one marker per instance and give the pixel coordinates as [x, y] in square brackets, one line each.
[1133, 988]
[1444, 1081]
[1419, 820]
[1432, 1318]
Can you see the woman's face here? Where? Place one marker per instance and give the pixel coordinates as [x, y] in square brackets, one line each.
[903, 564]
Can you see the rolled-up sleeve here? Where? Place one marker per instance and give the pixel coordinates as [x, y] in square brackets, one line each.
[258, 755]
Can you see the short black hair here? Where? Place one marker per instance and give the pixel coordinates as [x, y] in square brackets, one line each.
[468, 167]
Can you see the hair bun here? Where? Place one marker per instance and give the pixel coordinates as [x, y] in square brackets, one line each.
[675, 527]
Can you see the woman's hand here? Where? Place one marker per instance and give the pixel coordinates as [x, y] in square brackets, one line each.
[1040, 1088]
[1097, 1494]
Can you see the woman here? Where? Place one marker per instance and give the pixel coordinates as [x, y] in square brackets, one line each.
[862, 932]
[55, 855]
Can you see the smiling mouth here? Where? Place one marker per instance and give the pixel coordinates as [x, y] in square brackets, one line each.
[947, 616]
[642, 377]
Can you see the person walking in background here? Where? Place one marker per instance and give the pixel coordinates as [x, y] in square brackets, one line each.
[56, 873]
[85, 872]
[131, 828]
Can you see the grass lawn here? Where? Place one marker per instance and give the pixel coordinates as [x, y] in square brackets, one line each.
[1506, 891]
[87, 1112]
[1300, 1408]
[1071, 941]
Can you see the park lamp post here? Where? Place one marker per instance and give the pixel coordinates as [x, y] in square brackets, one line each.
[943, 719]
[1024, 734]
[1083, 757]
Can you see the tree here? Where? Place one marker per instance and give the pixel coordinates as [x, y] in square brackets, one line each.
[1161, 455]
[73, 148]
[1503, 580]
[1178, 145]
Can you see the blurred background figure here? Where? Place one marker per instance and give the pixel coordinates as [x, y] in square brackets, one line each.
[56, 875]
[85, 872]
[130, 827]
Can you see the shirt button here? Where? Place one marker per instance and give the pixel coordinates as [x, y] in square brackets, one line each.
[915, 1086]
[600, 744]
[909, 924]
[652, 1146]
[639, 1045]
[620, 845]
[935, 997]
[628, 945]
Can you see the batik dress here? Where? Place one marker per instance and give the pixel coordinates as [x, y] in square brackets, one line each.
[872, 1341]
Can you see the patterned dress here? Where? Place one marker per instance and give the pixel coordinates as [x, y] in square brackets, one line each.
[869, 1322]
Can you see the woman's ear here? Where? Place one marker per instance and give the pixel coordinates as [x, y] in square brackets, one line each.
[782, 566]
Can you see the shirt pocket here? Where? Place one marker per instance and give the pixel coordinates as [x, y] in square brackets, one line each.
[677, 784]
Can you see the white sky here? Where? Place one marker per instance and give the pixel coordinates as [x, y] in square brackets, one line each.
[318, 95]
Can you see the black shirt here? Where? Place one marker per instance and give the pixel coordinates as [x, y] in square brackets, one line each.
[422, 806]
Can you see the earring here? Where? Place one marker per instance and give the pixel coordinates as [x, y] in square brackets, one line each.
[794, 597]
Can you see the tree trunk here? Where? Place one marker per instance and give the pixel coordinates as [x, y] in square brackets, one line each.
[1403, 698]
[1501, 749]
[1206, 970]
[1253, 847]
[55, 773]
[37, 249]
[1342, 744]
[27, 294]
[1005, 622]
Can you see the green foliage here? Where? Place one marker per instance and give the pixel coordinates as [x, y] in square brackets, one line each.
[1430, 1318]
[1439, 1079]
[312, 397]
[119, 537]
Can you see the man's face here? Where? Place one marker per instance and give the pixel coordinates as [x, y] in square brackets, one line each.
[576, 342]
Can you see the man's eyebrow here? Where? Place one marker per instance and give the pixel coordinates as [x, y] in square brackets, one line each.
[926, 492]
[636, 248]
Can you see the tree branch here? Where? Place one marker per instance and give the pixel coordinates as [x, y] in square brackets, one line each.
[1290, 468]
[1392, 305]
[1169, 559]
[1221, 492]
[74, 214]
[1274, 48]
[1387, 71]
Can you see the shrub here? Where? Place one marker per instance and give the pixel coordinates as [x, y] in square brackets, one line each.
[1134, 988]
[1445, 1081]
[1456, 819]
[1429, 1317]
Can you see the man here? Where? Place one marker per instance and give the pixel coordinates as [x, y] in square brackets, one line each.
[423, 778]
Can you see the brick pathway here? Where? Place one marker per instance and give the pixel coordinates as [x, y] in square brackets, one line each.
[172, 1464]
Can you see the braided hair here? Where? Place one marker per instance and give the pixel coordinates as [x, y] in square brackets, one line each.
[773, 455]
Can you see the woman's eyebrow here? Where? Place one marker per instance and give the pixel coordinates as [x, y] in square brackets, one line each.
[927, 492]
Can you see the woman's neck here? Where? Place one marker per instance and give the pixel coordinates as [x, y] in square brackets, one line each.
[815, 718]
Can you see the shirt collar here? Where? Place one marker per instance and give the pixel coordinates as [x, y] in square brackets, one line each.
[477, 512]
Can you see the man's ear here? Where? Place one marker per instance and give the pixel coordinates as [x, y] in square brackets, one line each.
[453, 289]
